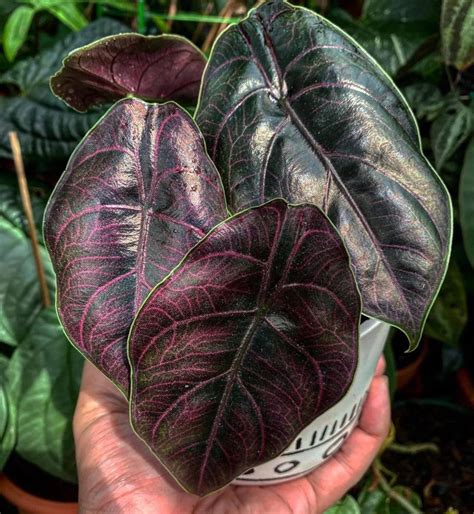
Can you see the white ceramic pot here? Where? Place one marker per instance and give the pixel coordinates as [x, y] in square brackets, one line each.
[325, 435]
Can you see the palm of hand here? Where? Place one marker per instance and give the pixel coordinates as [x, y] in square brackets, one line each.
[117, 473]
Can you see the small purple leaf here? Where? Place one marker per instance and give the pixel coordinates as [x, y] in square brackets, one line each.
[137, 194]
[248, 340]
[154, 68]
[292, 107]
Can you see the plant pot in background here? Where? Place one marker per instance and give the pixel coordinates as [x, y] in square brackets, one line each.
[27, 503]
[325, 435]
[33, 491]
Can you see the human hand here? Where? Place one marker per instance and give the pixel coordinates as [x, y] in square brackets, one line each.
[117, 472]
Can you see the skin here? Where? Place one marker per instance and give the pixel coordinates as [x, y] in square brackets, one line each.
[117, 472]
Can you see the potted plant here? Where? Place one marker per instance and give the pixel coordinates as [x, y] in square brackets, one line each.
[222, 292]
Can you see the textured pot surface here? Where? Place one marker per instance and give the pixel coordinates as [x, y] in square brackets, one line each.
[325, 435]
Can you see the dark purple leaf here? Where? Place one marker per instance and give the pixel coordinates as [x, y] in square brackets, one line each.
[291, 107]
[251, 338]
[150, 67]
[137, 193]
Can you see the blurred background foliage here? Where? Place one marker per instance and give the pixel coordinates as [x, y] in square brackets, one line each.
[427, 47]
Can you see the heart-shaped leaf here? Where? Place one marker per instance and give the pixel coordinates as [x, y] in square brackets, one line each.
[137, 194]
[251, 338]
[291, 107]
[149, 67]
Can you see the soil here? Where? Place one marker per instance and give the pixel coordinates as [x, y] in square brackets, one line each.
[442, 480]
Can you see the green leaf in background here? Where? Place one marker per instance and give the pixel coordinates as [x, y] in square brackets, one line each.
[425, 99]
[448, 316]
[20, 297]
[457, 32]
[7, 415]
[373, 501]
[391, 30]
[466, 201]
[345, 506]
[44, 378]
[45, 126]
[66, 12]
[16, 29]
[450, 129]
[378, 502]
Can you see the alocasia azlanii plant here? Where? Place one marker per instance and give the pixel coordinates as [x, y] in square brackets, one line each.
[154, 68]
[137, 194]
[249, 339]
[292, 107]
[242, 328]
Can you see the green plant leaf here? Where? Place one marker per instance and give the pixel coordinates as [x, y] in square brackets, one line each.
[345, 506]
[20, 298]
[425, 99]
[69, 14]
[373, 502]
[391, 30]
[466, 201]
[457, 32]
[448, 316]
[44, 379]
[450, 129]
[16, 29]
[7, 415]
[46, 127]
[34, 71]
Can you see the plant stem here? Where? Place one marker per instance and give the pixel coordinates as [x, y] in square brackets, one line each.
[172, 10]
[385, 486]
[411, 449]
[26, 202]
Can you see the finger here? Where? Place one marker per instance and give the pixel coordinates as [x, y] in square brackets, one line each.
[334, 478]
[380, 368]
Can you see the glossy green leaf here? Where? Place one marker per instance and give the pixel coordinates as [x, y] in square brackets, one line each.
[450, 129]
[466, 201]
[448, 316]
[345, 506]
[46, 127]
[44, 378]
[311, 118]
[16, 29]
[457, 32]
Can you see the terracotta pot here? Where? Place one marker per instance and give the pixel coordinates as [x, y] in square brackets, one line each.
[406, 374]
[324, 436]
[26, 503]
